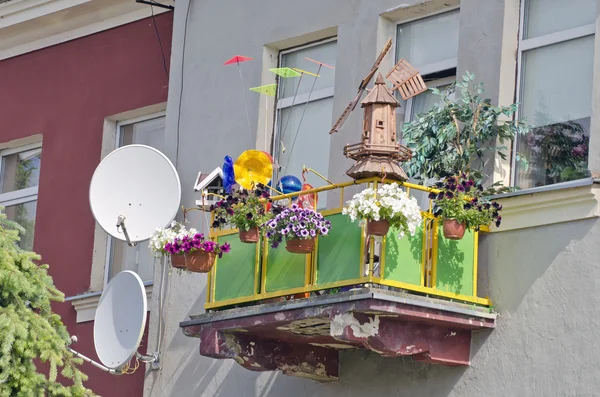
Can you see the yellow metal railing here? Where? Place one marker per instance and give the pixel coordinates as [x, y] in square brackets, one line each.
[255, 282]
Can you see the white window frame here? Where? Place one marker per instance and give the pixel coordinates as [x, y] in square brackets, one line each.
[429, 68]
[531, 44]
[117, 144]
[23, 195]
[301, 99]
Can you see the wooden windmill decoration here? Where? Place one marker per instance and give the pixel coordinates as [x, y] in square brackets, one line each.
[379, 152]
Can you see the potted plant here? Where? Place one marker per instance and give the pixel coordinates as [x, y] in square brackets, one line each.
[460, 134]
[462, 205]
[387, 206]
[245, 210]
[188, 246]
[299, 226]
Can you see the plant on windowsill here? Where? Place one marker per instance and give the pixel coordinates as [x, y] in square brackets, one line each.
[387, 206]
[460, 135]
[299, 226]
[245, 210]
[187, 248]
[462, 205]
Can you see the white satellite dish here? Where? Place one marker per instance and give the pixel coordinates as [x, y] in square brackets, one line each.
[120, 320]
[135, 185]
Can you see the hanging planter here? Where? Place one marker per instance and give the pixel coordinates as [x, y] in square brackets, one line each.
[249, 236]
[199, 261]
[187, 248]
[300, 246]
[299, 226]
[378, 228]
[462, 204]
[388, 206]
[178, 261]
[244, 210]
[453, 229]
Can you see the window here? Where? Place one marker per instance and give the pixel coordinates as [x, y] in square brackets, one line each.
[146, 131]
[431, 45]
[19, 179]
[304, 113]
[556, 52]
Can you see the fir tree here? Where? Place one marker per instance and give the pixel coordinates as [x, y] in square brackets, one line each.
[29, 330]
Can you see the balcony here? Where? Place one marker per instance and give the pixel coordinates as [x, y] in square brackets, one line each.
[272, 310]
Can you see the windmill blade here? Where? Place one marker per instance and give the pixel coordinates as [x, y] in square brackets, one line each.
[406, 79]
[361, 88]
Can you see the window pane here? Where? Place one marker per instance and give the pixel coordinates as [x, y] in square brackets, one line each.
[425, 101]
[24, 215]
[560, 107]
[325, 53]
[21, 170]
[549, 16]
[149, 132]
[139, 258]
[428, 40]
[312, 142]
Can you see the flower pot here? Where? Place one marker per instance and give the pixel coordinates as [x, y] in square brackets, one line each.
[250, 236]
[199, 261]
[178, 261]
[378, 228]
[300, 246]
[454, 230]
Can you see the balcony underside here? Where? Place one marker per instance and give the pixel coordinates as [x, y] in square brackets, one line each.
[303, 337]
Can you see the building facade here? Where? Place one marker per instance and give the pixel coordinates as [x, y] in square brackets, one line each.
[538, 269]
[78, 79]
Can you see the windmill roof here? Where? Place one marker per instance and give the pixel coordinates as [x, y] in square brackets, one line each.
[380, 94]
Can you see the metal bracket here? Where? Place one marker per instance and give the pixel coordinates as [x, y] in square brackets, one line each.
[152, 3]
[150, 358]
[121, 224]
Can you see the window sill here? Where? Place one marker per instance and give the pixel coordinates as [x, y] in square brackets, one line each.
[85, 304]
[546, 205]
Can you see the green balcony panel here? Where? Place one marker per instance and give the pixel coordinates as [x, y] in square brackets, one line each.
[284, 269]
[338, 256]
[403, 257]
[455, 263]
[234, 276]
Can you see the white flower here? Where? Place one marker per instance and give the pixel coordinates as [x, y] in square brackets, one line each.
[390, 203]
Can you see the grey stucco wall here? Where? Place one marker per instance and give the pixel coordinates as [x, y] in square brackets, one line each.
[541, 280]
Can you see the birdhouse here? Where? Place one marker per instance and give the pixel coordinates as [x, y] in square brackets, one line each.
[211, 188]
[379, 152]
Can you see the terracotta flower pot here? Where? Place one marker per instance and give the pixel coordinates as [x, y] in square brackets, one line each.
[378, 228]
[178, 261]
[199, 261]
[454, 230]
[250, 236]
[300, 246]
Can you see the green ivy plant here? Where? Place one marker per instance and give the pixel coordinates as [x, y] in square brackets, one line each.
[29, 329]
[458, 134]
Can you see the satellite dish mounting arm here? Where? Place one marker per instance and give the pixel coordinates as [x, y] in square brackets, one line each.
[94, 363]
[121, 225]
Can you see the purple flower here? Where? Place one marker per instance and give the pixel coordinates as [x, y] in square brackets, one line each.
[208, 246]
[187, 246]
[197, 243]
[293, 218]
[229, 211]
[199, 236]
[226, 247]
[294, 228]
[303, 224]
[461, 188]
[304, 233]
[295, 206]
[324, 231]
[249, 215]
[313, 233]
[273, 224]
[275, 244]
[269, 234]
[432, 195]
[285, 230]
[449, 195]
[319, 216]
